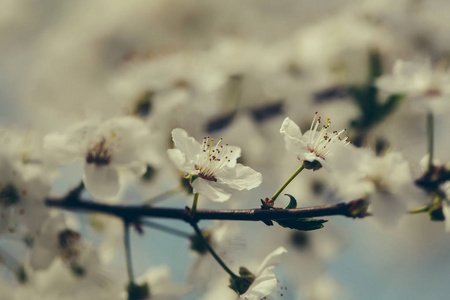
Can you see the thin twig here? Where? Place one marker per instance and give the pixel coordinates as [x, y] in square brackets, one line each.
[167, 229]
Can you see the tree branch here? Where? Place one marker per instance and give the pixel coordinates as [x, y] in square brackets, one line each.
[353, 209]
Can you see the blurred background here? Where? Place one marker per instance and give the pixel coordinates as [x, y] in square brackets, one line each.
[236, 69]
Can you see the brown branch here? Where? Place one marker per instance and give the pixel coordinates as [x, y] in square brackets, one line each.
[353, 209]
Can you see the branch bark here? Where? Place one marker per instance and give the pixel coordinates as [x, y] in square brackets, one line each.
[353, 209]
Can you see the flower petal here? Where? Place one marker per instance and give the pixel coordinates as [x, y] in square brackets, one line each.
[388, 208]
[210, 189]
[446, 211]
[101, 181]
[186, 144]
[265, 281]
[272, 259]
[292, 136]
[261, 287]
[232, 153]
[240, 177]
[45, 247]
[180, 161]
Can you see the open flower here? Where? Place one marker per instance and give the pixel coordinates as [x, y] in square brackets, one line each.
[428, 87]
[110, 150]
[385, 181]
[264, 282]
[314, 146]
[211, 167]
[22, 194]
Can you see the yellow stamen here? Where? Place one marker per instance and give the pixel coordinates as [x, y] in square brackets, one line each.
[210, 147]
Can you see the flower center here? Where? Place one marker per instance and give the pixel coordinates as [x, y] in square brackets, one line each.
[9, 195]
[212, 159]
[100, 153]
[321, 142]
[69, 244]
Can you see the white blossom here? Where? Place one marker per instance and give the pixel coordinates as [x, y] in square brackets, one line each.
[313, 145]
[265, 281]
[385, 181]
[111, 150]
[22, 195]
[428, 88]
[213, 167]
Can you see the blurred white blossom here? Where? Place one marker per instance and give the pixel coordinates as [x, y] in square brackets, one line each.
[111, 150]
[428, 87]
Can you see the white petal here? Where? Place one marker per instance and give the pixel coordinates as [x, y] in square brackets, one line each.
[308, 156]
[272, 259]
[232, 153]
[188, 145]
[101, 181]
[290, 128]
[45, 247]
[387, 208]
[210, 189]
[446, 211]
[72, 142]
[240, 177]
[292, 135]
[180, 161]
[261, 287]
[42, 257]
[265, 281]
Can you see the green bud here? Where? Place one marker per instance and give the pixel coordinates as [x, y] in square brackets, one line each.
[435, 212]
[300, 239]
[138, 292]
[315, 165]
[358, 208]
[77, 270]
[144, 105]
[186, 184]
[241, 284]
[198, 245]
[149, 173]
[21, 275]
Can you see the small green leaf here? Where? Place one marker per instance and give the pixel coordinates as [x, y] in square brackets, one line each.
[303, 224]
[292, 202]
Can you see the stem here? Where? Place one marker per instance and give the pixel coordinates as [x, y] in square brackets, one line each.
[160, 197]
[430, 139]
[167, 229]
[194, 204]
[211, 250]
[126, 241]
[275, 196]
